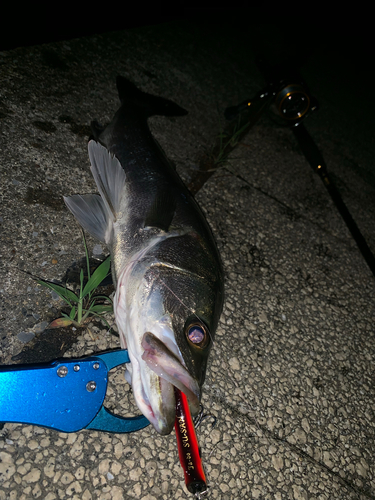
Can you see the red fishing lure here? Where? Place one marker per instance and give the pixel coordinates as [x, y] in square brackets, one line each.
[188, 449]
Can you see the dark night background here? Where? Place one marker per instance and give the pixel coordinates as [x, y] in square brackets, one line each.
[279, 40]
[43, 26]
[301, 33]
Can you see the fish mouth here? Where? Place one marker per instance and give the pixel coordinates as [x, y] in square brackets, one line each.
[165, 373]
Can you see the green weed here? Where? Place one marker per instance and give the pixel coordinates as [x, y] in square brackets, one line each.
[84, 303]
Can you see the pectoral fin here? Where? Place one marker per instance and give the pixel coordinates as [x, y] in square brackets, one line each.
[97, 213]
[92, 214]
[109, 176]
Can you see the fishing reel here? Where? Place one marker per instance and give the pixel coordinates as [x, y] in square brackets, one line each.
[291, 101]
[294, 103]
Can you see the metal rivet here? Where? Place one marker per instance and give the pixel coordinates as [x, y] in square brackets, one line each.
[62, 371]
[76, 368]
[91, 386]
[96, 366]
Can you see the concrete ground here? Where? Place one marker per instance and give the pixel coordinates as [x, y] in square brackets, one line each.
[291, 375]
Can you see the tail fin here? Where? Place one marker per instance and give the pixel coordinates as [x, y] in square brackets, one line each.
[151, 104]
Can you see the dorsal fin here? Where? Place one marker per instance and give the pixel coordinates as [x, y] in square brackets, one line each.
[151, 104]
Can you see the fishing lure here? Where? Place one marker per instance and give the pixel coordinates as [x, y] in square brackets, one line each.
[188, 448]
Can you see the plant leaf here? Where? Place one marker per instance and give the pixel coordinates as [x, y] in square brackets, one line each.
[63, 292]
[81, 276]
[102, 297]
[60, 323]
[87, 255]
[101, 308]
[97, 277]
[72, 313]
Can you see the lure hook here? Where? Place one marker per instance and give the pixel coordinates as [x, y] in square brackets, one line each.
[202, 416]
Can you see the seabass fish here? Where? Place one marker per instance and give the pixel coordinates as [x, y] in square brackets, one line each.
[165, 264]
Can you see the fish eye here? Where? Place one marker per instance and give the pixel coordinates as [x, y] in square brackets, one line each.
[198, 335]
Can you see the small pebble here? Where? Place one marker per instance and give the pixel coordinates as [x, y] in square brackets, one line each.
[25, 337]
[97, 250]
[40, 327]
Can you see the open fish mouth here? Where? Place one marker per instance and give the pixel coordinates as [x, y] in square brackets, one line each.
[166, 373]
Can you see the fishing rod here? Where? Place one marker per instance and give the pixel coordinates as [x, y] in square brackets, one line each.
[294, 103]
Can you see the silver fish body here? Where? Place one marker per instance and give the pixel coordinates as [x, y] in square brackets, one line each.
[165, 263]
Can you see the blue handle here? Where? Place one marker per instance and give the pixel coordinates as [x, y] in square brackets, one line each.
[66, 395]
